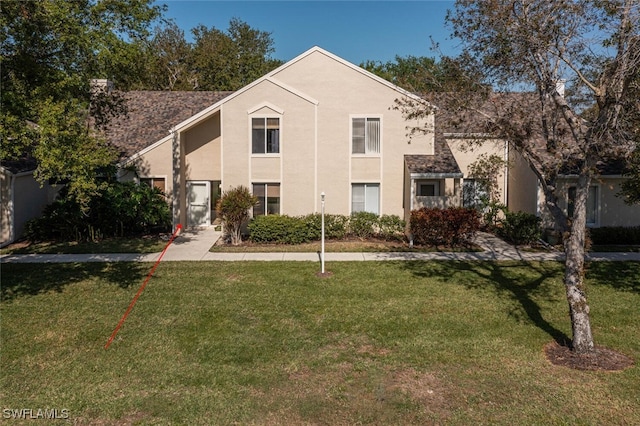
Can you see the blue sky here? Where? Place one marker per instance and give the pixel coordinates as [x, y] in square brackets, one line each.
[354, 30]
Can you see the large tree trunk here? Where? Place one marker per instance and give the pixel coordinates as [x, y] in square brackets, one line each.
[574, 245]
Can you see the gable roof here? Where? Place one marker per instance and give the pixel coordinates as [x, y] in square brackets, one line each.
[150, 115]
[439, 165]
[271, 77]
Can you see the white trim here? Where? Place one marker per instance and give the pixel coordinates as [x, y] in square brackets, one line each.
[143, 151]
[366, 182]
[280, 137]
[269, 76]
[315, 158]
[365, 116]
[269, 105]
[292, 90]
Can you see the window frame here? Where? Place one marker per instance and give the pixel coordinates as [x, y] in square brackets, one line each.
[366, 118]
[436, 184]
[151, 181]
[265, 145]
[265, 206]
[366, 185]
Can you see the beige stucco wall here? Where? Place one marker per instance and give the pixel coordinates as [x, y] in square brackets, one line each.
[23, 198]
[157, 162]
[316, 99]
[201, 147]
[611, 210]
[467, 152]
[523, 185]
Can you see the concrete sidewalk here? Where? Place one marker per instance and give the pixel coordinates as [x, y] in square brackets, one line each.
[194, 245]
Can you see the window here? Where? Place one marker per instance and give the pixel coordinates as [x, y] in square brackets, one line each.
[268, 198]
[473, 193]
[154, 182]
[592, 204]
[265, 135]
[365, 197]
[365, 135]
[428, 188]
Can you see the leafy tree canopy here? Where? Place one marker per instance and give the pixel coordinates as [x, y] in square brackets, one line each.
[423, 74]
[50, 52]
[216, 60]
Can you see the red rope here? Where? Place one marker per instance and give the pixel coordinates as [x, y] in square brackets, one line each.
[141, 289]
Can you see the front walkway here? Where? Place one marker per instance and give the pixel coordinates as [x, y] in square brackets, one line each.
[194, 245]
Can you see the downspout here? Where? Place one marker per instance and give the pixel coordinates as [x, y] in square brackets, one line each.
[506, 175]
[12, 212]
[175, 170]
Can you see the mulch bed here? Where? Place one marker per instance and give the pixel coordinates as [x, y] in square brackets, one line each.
[602, 359]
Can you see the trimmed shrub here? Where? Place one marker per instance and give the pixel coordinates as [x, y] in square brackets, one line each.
[520, 227]
[233, 208]
[363, 224]
[391, 227]
[615, 235]
[450, 227]
[118, 209]
[282, 230]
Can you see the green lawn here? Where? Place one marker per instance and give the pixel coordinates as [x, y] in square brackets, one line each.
[272, 343]
[144, 244]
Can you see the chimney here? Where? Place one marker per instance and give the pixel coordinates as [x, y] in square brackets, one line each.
[101, 85]
[560, 87]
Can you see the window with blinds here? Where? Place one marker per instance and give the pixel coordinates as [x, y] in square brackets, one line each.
[265, 135]
[365, 197]
[268, 195]
[365, 134]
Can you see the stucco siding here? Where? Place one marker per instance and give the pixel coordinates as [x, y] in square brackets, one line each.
[467, 152]
[202, 150]
[523, 185]
[613, 210]
[23, 199]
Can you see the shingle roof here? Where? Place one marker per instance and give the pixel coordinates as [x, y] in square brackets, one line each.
[150, 115]
[24, 164]
[441, 162]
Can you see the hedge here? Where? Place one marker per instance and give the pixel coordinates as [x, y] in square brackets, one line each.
[455, 226]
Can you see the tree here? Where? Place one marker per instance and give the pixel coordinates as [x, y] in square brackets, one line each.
[169, 60]
[50, 52]
[421, 74]
[631, 187]
[534, 46]
[233, 208]
[231, 60]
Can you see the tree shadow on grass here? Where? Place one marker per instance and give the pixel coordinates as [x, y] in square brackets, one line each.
[24, 279]
[516, 280]
[622, 276]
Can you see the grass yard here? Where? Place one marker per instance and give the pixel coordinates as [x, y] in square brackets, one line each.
[143, 244]
[268, 343]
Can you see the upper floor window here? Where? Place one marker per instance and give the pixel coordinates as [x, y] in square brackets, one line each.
[365, 135]
[265, 135]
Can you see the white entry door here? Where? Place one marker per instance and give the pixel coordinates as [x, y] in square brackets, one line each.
[198, 206]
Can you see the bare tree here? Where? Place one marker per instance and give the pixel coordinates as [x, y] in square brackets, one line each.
[537, 48]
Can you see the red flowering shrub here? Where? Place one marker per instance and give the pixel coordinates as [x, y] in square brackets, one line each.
[452, 227]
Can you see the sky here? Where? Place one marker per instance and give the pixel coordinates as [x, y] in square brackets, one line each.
[354, 30]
